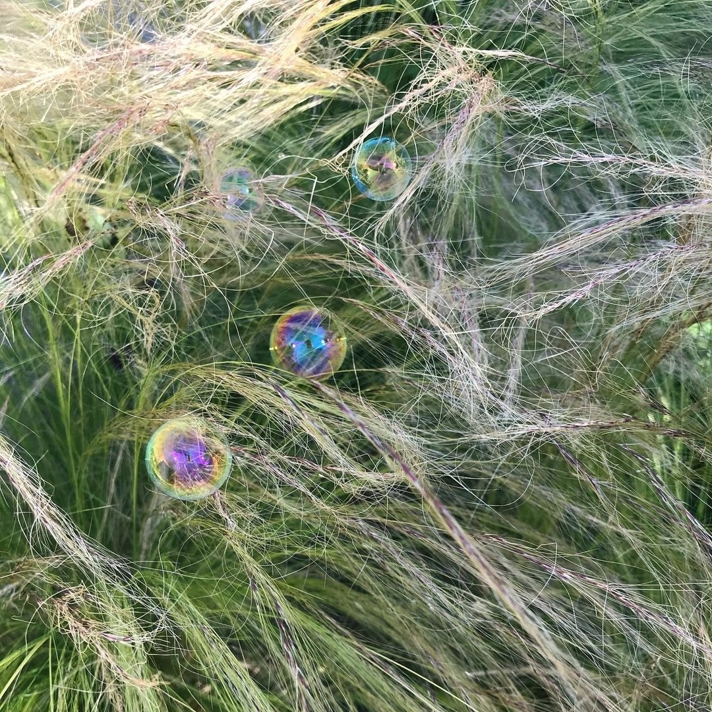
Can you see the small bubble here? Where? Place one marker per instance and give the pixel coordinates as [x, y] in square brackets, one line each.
[144, 29]
[240, 191]
[187, 458]
[381, 169]
[307, 342]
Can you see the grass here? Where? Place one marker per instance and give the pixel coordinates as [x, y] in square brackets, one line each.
[501, 502]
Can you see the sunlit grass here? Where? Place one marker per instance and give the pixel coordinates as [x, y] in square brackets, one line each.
[501, 501]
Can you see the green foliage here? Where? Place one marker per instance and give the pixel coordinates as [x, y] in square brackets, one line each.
[502, 501]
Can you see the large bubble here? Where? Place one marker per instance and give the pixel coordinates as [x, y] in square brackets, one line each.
[308, 343]
[381, 169]
[188, 458]
[241, 193]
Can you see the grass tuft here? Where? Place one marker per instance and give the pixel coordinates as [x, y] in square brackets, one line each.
[502, 500]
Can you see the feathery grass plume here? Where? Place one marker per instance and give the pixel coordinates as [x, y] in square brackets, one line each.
[501, 500]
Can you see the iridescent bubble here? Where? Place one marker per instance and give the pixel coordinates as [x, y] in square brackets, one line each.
[144, 28]
[307, 342]
[240, 191]
[381, 169]
[187, 458]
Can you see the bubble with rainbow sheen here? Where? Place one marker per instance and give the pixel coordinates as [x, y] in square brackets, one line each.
[187, 458]
[242, 195]
[381, 169]
[308, 342]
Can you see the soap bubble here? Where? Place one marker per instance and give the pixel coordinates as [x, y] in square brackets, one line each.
[144, 29]
[381, 169]
[307, 342]
[187, 458]
[240, 191]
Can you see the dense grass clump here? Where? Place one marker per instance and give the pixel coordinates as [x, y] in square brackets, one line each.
[502, 499]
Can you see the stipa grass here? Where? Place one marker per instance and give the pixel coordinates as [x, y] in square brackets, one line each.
[501, 499]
